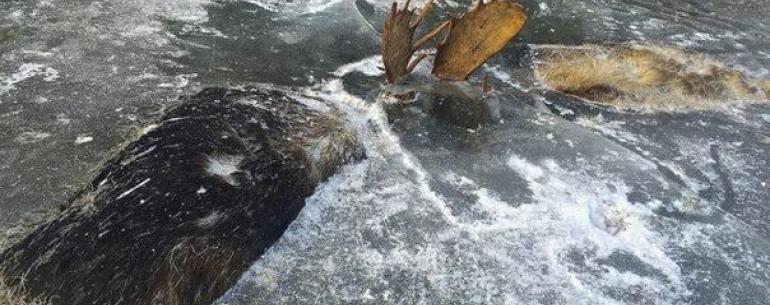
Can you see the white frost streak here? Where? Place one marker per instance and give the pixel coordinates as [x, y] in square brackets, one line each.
[368, 66]
[28, 137]
[126, 193]
[299, 7]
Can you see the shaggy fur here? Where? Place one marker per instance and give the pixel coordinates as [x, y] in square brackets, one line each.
[11, 296]
[158, 226]
[642, 77]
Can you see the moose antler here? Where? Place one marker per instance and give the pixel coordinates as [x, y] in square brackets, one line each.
[397, 46]
[475, 37]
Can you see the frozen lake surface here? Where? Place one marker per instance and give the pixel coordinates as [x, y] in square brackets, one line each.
[557, 203]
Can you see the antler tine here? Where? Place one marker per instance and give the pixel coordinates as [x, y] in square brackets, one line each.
[451, 19]
[420, 43]
[414, 63]
[423, 12]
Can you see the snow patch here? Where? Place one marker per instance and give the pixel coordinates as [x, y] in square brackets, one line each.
[82, 139]
[224, 166]
[527, 170]
[595, 216]
[505, 77]
[25, 71]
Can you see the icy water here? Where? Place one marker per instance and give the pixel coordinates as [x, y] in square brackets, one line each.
[555, 203]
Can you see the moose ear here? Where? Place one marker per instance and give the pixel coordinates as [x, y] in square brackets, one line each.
[475, 37]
